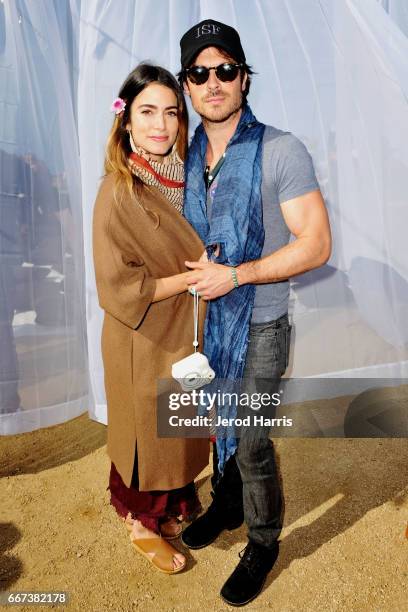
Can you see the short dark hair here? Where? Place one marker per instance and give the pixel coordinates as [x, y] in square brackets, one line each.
[245, 69]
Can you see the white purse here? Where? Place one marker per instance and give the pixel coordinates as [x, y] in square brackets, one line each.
[193, 371]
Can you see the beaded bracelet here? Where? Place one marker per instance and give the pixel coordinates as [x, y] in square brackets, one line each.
[234, 277]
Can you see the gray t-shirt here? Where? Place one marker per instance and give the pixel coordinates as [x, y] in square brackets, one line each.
[287, 172]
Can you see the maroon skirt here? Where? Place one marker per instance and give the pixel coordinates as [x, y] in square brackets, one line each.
[151, 507]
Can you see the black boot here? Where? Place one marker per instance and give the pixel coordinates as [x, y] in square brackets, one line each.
[209, 525]
[248, 578]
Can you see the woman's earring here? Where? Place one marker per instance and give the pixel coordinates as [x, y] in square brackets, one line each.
[132, 142]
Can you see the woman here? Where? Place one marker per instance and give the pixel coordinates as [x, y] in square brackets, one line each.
[140, 242]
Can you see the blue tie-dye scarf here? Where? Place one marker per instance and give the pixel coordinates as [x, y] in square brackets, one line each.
[236, 225]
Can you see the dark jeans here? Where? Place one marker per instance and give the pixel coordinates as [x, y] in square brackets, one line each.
[249, 485]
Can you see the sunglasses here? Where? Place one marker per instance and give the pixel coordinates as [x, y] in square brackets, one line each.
[224, 72]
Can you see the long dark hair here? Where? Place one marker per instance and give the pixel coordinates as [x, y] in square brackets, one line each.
[118, 147]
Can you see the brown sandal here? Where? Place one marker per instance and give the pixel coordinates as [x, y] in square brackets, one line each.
[163, 553]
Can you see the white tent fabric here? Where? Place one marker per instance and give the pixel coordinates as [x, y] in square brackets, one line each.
[349, 315]
[335, 74]
[43, 356]
[398, 11]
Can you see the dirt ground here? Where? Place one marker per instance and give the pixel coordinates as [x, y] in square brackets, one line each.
[344, 545]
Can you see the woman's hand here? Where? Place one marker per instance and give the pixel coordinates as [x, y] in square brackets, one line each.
[172, 285]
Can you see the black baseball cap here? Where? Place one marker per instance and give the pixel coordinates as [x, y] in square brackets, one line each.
[210, 33]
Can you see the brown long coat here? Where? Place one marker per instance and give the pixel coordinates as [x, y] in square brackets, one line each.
[141, 339]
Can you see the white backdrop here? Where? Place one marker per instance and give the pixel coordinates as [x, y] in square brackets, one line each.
[334, 72]
[43, 353]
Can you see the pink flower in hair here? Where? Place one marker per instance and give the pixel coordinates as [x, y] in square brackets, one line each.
[118, 105]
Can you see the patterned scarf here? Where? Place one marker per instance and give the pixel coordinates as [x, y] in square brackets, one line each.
[167, 176]
[236, 225]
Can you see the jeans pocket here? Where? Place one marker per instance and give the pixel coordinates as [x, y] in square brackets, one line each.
[268, 351]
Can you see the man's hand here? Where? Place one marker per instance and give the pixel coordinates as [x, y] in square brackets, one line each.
[211, 280]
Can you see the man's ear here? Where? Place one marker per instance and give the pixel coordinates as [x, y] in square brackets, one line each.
[186, 89]
[244, 80]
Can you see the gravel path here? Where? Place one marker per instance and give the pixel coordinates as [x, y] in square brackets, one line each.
[343, 546]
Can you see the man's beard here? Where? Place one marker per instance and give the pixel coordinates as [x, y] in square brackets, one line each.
[226, 113]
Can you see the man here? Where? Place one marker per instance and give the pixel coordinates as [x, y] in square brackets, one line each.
[247, 188]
